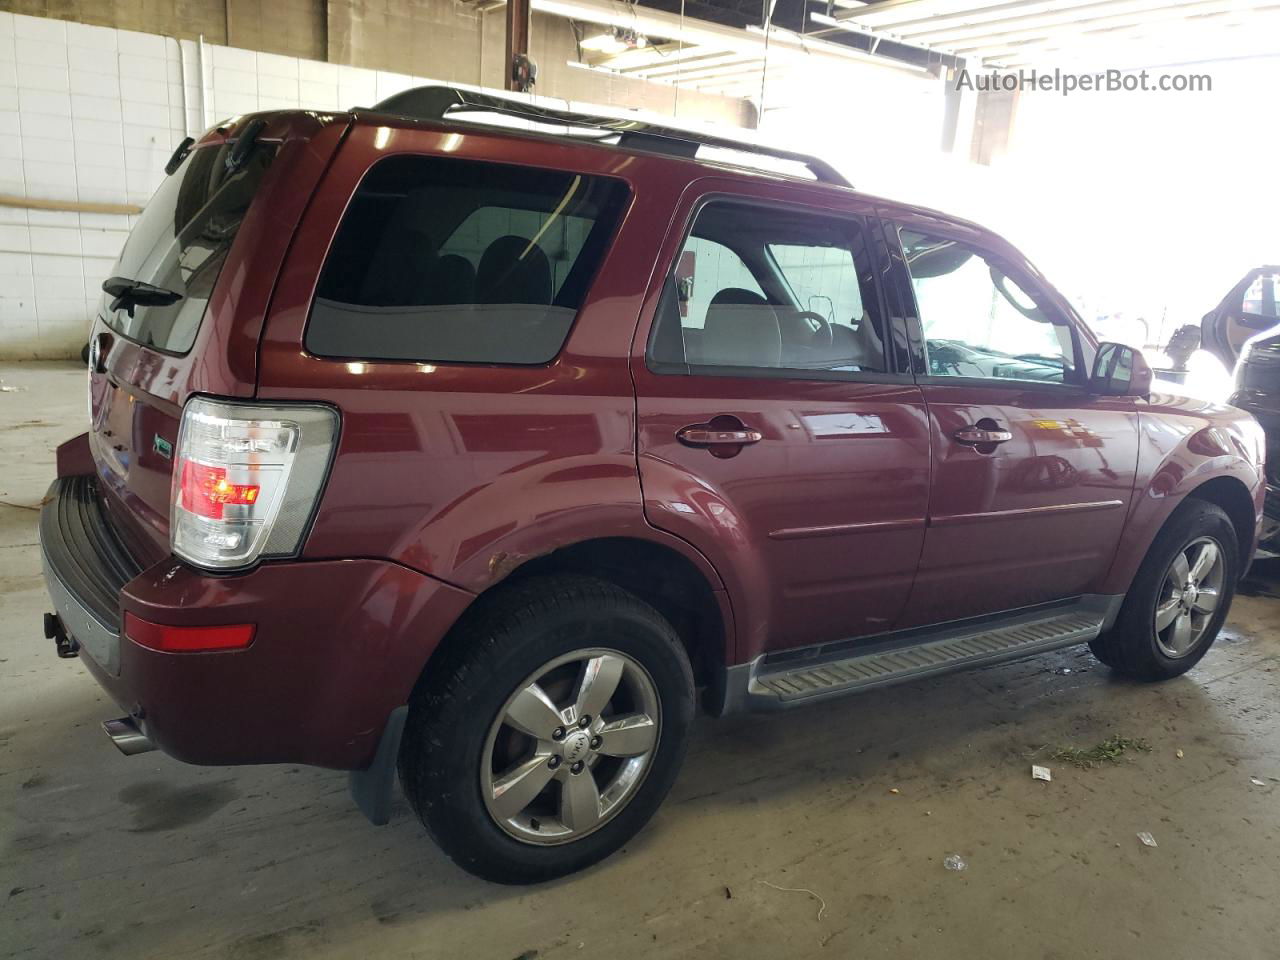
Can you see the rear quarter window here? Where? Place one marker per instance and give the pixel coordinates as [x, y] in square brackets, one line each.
[447, 260]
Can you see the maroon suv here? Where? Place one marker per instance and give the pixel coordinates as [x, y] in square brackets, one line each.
[423, 442]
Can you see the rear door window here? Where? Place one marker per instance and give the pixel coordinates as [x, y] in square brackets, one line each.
[181, 241]
[757, 290]
[446, 260]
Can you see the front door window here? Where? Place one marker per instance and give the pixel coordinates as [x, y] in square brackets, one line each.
[978, 322]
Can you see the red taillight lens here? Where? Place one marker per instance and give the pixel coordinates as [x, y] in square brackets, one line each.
[158, 636]
[206, 491]
[240, 467]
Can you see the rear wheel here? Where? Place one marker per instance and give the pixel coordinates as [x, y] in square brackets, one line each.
[1179, 598]
[550, 730]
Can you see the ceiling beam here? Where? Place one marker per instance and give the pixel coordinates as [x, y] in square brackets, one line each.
[1099, 9]
[1131, 12]
[740, 66]
[1076, 46]
[679, 65]
[889, 13]
[876, 35]
[783, 44]
[976, 14]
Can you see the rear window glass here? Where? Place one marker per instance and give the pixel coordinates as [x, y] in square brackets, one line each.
[446, 260]
[181, 241]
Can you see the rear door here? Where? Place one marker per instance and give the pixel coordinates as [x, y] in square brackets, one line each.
[1032, 475]
[776, 430]
[203, 238]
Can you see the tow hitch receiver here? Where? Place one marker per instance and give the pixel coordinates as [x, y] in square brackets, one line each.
[68, 647]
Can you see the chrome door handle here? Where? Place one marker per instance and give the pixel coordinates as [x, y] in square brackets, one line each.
[976, 436]
[703, 436]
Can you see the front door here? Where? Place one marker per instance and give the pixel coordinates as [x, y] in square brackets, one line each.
[1032, 475]
[774, 431]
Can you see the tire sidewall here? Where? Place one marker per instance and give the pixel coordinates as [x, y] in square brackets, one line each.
[459, 820]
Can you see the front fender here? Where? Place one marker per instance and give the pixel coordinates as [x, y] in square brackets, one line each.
[1183, 445]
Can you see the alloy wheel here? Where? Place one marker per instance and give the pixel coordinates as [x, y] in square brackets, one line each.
[1189, 596]
[570, 747]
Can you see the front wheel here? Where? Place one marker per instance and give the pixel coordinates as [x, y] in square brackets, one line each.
[1179, 599]
[550, 731]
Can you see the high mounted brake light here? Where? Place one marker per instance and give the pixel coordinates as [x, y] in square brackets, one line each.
[246, 479]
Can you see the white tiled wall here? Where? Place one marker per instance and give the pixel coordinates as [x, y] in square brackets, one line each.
[92, 114]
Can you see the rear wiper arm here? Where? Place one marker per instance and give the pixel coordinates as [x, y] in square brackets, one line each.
[134, 293]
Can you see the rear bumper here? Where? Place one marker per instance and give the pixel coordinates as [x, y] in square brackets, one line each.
[339, 644]
[85, 567]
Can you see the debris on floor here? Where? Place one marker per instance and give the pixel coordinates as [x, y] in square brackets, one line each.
[5, 388]
[894, 790]
[1040, 773]
[1257, 783]
[1147, 839]
[1179, 754]
[822, 904]
[1108, 751]
[955, 862]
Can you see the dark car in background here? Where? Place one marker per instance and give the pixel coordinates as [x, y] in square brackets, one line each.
[1243, 331]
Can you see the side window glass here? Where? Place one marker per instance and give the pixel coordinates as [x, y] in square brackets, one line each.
[561, 239]
[978, 322]
[445, 260]
[770, 290]
[703, 270]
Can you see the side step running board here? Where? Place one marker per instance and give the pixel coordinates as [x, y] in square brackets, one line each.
[790, 680]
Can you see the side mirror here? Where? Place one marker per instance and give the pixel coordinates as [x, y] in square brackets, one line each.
[1120, 371]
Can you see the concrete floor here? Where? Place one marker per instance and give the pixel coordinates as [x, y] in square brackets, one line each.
[102, 855]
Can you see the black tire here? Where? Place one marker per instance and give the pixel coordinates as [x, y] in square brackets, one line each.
[1131, 647]
[514, 633]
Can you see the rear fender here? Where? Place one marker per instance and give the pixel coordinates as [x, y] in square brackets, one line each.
[693, 511]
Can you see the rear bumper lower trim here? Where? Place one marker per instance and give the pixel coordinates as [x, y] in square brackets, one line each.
[86, 567]
[96, 639]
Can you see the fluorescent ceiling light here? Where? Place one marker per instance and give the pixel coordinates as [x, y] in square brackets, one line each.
[603, 43]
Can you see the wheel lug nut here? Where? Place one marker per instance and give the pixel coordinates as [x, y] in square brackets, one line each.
[584, 722]
[554, 762]
[557, 733]
[595, 743]
[576, 768]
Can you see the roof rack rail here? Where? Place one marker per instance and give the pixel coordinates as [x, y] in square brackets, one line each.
[435, 102]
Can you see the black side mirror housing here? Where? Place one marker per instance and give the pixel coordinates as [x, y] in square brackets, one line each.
[1120, 371]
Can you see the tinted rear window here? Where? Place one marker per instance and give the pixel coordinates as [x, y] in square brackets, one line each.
[181, 241]
[457, 261]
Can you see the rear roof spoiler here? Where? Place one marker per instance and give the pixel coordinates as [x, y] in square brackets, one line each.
[436, 102]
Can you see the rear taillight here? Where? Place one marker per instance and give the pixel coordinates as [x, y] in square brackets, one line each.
[246, 479]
